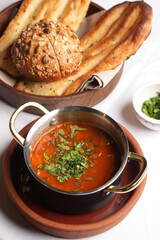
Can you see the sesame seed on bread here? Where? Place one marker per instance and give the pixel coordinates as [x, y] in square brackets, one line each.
[46, 51]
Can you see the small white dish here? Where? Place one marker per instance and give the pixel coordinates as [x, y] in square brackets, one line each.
[145, 93]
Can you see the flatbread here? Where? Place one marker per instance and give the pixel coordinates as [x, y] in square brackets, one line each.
[68, 12]
[126, 26]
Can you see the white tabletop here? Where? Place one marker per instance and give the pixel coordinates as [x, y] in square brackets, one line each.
[143, 221]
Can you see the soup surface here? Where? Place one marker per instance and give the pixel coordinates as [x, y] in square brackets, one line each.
[75, 156]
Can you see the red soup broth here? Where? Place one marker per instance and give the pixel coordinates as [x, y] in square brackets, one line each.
[75, 156]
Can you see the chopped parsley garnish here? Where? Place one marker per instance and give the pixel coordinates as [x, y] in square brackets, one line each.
[151, 107]
[53, 141]
[60, 131]
[69, 160]
[40, 166]
[73, 156]
[46, 156]
[89, 179]
[75, 190]
[74, 128]
[71, 163]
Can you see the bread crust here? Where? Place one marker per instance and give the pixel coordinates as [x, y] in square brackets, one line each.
[46, 51]
[75, 13]
[116, 36]
[30, 12]
[129, 38]
[102, 26]
[127, 26]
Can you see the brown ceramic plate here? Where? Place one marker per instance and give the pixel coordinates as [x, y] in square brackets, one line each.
[88, 98]
[19, 187]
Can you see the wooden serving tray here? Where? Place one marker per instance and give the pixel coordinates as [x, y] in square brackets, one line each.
[16, 179]
[88, 98]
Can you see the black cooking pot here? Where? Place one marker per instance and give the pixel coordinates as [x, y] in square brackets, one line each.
[78, 202]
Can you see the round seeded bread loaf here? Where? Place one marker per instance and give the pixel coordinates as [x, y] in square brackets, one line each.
[46, 51]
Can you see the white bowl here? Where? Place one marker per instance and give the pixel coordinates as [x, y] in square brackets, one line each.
[144, 93]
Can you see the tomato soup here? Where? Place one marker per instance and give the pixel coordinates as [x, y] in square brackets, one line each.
[75, 156]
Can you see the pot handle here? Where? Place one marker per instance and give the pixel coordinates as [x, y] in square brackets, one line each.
[15, 114]
[138, 179]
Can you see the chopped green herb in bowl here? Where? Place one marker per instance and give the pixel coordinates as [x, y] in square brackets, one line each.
[151, 107]
[146, 103]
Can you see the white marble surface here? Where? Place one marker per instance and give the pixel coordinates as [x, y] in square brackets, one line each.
[143, 221]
